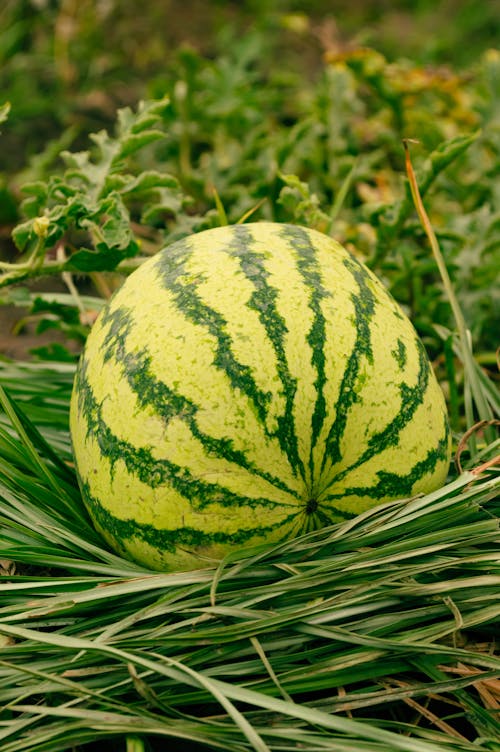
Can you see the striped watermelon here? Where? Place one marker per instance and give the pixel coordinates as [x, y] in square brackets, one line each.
[245, 385]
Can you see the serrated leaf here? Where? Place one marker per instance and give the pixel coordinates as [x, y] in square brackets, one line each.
[22, 234]
[37, 188]
[115, 183]
[79, 159]
[392, 217]
[103, 260]
[137, 141]
[170, 203]
[145, 122]
[82, 168]
[441, 157]
[37, 194]
[147, 114]
[108, 146]
[60, 188]
[150, 179]
[116, 229]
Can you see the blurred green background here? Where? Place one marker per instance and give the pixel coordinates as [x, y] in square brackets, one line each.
[73, 62]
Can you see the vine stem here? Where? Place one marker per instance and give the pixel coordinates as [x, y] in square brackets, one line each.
[22, 272]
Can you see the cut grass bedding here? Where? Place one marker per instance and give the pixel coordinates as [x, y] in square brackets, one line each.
[375, 634]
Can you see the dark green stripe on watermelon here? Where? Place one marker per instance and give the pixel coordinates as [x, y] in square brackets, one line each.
[141, 463]
[393, 485]
[309, 268]
[400, 355]
[364, 303]
[168, 403]
[119, 323]
[180, 537]
[183, 286]
[263, 301]
[411, 398]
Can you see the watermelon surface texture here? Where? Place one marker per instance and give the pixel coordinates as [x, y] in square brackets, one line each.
[245, 385]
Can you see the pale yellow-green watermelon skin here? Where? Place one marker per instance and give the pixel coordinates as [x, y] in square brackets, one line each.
[245, 385]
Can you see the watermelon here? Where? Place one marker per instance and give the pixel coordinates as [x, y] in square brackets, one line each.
[245, 385]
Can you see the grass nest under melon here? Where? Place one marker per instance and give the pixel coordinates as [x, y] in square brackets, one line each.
[376, 634]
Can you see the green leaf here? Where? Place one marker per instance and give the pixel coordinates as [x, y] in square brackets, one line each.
[104, 259]
[22, 234]
[303, 205]
[54, 351]
[147, 181]
[67, 313]
[115, 230]
[4, 112]
[440, 158]
[392, 218]
[136, 141]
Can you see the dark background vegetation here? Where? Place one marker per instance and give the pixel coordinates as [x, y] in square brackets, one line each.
[73, 62]
[311, 89]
